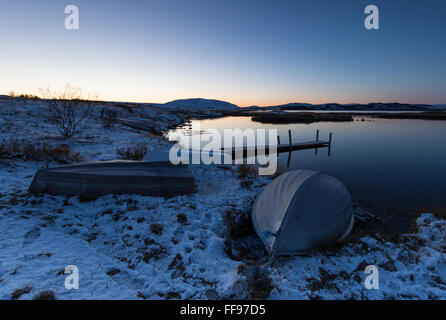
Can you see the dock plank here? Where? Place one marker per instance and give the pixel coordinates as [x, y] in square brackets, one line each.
[280, 148]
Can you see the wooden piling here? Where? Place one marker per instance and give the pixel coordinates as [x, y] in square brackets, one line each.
[289, 136]
[278, 140]
[317, 135]
[329, 144]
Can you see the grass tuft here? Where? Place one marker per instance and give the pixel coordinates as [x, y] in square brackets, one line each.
[136, 152]
[15, 149]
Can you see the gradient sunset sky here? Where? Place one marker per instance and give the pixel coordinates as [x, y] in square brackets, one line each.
[246, 52]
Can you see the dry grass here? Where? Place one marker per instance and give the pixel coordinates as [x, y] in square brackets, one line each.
[259, 284]
[45, 295]
[246, 173]
[156, 228]
[136, 152]
[14, 94]
[19, 292]
[439, 212]
[15, 149]
[246, 170]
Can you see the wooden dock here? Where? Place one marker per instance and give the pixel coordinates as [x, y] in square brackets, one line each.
[246, 151]
[279, 148]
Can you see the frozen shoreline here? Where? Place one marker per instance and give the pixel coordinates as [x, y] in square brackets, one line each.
[174, 249]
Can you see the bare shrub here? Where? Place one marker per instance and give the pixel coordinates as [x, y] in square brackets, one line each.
[67, 109]
[136, 152]
[15, 149]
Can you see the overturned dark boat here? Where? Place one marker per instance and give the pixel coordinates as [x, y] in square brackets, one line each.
[116, 177]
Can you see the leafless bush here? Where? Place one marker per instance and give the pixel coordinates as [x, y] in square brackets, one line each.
[136, 152]
[15, 149]
[109, 117]
[67, 109]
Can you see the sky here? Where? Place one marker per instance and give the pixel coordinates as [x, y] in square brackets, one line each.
[242, 51]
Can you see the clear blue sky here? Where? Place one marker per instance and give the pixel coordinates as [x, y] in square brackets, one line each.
[247, 52]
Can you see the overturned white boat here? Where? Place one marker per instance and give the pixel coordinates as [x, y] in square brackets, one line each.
[117, 177]
[302, 210]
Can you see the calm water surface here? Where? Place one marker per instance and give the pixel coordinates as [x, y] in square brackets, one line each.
[394, 168]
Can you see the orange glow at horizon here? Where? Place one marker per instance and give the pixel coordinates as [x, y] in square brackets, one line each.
[109, 94]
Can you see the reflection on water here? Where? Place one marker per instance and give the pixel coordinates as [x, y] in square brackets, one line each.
[392, 167]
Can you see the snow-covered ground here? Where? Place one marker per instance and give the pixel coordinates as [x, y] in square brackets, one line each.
[139, 247]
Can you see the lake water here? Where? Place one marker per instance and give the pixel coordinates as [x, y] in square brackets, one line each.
[393, 168]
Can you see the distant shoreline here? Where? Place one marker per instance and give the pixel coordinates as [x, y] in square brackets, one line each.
[283, 117]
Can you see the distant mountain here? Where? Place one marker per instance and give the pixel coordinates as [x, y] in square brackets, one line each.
[199, 104]
[374, 106]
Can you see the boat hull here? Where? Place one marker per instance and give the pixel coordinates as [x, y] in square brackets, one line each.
[115, 177]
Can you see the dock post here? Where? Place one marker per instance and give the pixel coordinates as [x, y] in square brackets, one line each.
[329, 144]
[317, 135]
[278, 140]
[289, 136]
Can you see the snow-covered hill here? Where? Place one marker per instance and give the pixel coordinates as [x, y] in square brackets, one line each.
[200, 104]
